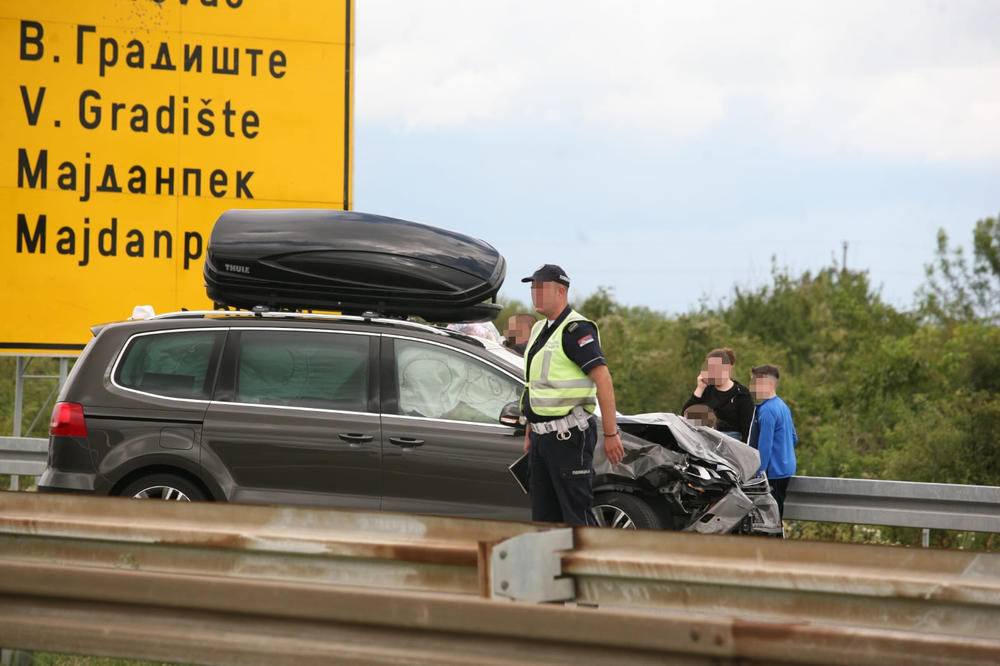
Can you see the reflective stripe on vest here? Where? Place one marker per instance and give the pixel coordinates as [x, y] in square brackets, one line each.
[557, 384]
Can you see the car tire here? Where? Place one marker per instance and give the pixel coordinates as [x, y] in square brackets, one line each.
[624, 511]
[164, 487]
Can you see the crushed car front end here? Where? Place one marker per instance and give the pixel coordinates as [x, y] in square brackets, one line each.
[695, 478]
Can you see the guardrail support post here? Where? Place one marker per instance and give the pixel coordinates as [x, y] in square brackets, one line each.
[19, 368]
[528, 567]
[18, 393]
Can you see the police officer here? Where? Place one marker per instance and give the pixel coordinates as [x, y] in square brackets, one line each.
[565, 377]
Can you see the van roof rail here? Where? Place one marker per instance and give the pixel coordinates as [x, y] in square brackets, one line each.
[202, 314]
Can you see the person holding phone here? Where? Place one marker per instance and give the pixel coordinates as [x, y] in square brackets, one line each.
[730, 400]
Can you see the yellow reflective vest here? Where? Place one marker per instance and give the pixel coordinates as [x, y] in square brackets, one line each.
[555, 383]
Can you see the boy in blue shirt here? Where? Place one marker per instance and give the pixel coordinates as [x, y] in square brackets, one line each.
[772, 432]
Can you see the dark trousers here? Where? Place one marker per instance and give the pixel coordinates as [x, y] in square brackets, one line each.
[562, 474]
[778, 489]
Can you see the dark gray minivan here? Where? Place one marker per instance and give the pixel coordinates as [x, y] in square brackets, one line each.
[291, 408]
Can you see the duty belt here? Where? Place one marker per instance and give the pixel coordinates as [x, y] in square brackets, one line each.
[578, 418]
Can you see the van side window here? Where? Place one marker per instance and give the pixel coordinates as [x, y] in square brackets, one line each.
[439, 383]
[303, 369]
[176, 364]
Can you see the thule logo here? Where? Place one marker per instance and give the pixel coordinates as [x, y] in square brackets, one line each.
[236, 268]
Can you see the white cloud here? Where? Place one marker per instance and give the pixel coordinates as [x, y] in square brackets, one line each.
[434, 65]
[934, 115]
[898, 80]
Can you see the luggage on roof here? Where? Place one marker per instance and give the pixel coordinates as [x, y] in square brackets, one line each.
[307, 259]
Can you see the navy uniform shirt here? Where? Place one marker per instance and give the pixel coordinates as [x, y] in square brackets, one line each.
[580, 344]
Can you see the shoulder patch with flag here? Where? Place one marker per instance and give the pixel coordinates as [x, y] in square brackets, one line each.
[585, 340]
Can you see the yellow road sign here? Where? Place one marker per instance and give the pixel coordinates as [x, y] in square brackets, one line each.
[129, 127]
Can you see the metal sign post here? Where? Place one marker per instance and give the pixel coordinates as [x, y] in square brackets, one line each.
[22, 364]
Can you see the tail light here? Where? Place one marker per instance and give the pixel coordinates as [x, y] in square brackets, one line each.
[67, 420]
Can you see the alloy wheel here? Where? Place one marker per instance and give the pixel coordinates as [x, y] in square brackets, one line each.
[163, 493]
[611, 516]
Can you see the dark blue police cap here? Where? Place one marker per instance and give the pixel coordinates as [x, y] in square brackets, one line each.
[548, 273]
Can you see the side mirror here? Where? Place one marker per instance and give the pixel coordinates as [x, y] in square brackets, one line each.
[510, 415]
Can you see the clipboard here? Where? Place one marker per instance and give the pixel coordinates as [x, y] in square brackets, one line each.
[520, 469]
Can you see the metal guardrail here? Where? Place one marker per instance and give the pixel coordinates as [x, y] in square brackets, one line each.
[224, 583]
[896, 503]
[22, 456]
[293, 544]
[238, 621]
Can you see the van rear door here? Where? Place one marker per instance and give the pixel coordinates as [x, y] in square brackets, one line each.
[295, 419]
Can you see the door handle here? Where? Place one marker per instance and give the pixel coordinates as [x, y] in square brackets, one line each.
[355, 438]
[406, 441]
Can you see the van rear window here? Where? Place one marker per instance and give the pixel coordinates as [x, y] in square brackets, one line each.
[177, 364]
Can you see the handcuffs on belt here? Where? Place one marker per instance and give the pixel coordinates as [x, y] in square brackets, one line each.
[578, 418]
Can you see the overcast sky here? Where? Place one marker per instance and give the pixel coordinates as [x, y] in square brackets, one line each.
[668, 150]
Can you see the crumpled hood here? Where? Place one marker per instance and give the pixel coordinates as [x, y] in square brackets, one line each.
[701, 442]
[641, 457]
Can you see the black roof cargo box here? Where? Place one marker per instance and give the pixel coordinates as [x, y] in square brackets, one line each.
[306, 259]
